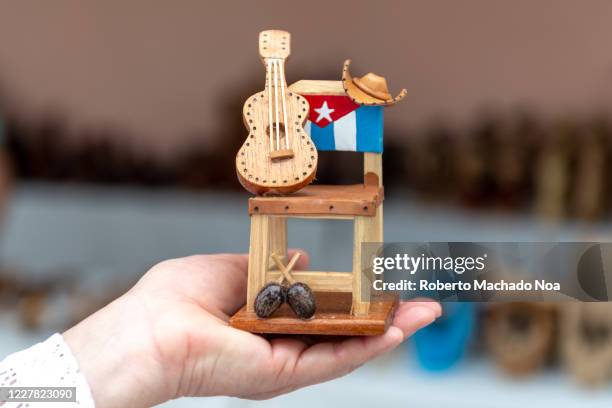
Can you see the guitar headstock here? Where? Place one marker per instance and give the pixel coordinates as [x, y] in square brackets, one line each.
[274, 44]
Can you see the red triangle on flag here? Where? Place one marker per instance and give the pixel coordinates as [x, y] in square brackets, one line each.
[324, 107]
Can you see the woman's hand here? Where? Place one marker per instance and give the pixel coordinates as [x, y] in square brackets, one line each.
[169, 337]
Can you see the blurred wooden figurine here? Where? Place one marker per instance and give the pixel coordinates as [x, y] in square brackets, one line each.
[520, 336]
[588, 193]
[552, 174]
[586, 333]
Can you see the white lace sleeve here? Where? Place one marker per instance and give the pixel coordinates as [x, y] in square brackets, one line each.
[47, 364]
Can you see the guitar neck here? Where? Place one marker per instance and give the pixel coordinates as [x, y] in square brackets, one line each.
[280, 72]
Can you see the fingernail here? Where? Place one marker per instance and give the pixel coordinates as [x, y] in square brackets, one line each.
[431, 304]
[437, 308]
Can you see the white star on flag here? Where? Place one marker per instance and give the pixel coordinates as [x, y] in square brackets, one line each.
[324, 112]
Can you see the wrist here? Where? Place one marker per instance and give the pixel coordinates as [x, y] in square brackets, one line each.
[118, 367]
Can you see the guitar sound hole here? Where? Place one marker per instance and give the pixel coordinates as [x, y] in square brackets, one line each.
[281, 132]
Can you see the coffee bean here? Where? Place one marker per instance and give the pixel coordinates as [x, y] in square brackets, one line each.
[269, 299]
[301, 300]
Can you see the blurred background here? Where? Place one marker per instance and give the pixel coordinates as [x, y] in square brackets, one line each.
[121, 119]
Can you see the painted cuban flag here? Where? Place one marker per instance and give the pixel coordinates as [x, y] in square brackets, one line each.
[335, 122]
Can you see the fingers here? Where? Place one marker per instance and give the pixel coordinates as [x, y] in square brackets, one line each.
[303, 262]
[412, 316]
[224, 279]
[325, 361]
[430, 304]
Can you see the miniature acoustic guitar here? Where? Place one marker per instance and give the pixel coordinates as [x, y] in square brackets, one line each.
[278, 156]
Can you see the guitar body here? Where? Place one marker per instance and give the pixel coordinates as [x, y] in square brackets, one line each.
[257, 171]
[278, 156]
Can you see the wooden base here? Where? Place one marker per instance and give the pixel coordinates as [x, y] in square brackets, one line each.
[333, 318]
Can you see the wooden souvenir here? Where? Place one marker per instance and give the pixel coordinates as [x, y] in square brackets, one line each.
[520, 336]
[586, 346]
[278, 155]
[552, 175]
[344, 304]
[588, 195]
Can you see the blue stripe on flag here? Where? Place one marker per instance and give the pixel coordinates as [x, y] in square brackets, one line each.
[370, 129]
[323, 138]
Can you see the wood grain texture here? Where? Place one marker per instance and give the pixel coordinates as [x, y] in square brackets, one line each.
[372, 164]
[316, 87]
[259, 253]
[278, 239]
[274, 44]
[333, 317]
[364, 231]
[256, 169]
[358, 199]
[269, 162]
[319, 281]
[373, 174]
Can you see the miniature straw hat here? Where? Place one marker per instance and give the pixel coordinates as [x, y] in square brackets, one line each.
[370, 89]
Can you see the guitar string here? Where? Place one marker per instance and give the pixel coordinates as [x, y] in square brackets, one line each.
[282, 82]
[270, 104]
[276, 106]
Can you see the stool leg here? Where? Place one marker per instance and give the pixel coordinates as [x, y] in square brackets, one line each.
[364, 227]
[379, 235]
[278, 239]
[259, 253]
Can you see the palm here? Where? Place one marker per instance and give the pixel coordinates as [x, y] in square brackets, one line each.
[189, 302]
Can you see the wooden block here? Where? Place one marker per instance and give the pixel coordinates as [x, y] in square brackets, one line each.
[259, 253]
[281, 154]
[317, 87]
[378, 235]
[364, 231]
[333, 318]
[320, 281]
[278, 240]
[358, 199]
[372, 164]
